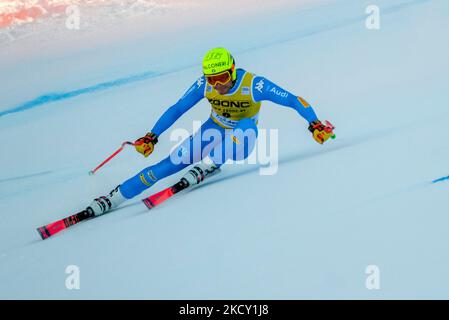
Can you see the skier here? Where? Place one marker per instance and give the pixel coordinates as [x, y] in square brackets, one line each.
[235, 96]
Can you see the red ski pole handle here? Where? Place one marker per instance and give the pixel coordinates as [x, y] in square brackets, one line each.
[91, 172]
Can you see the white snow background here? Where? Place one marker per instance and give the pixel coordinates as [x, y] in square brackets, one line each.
[307, 232]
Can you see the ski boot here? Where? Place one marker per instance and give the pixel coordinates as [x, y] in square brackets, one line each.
[104, 204]
[203, 169]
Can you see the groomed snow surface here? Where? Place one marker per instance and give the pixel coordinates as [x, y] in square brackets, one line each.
[310, 231]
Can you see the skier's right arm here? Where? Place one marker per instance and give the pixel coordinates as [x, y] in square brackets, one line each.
[188, 100]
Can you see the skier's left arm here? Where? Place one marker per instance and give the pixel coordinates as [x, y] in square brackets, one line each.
[265, 90]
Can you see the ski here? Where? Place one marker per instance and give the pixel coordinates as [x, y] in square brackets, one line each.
[55, 227]
[164, 195]
[192, 178]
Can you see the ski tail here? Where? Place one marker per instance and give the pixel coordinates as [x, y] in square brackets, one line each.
[55, 227]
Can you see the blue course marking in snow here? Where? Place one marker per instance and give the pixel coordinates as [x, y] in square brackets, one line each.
[441, 179]
[52, 97]
[44, 99]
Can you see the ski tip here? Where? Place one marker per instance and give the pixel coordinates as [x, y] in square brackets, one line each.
[43, 232]
[148, 203]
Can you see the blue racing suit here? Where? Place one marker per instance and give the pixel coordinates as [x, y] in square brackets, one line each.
[229, 132]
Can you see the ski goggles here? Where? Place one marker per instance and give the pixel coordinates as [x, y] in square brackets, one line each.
[221, 78]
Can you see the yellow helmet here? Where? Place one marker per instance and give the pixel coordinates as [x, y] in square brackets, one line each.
[218, 60]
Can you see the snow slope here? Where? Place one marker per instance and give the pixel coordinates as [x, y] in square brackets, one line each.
[309, 231]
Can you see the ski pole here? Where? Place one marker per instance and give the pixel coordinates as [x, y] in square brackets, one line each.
[111, 156]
